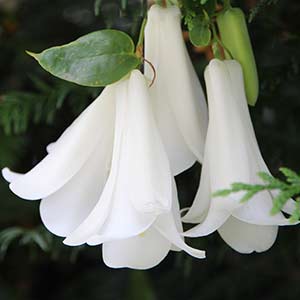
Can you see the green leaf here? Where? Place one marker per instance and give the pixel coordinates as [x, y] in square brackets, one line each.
[96, 59]
[222, 193]
[291, 176]
[296, 213]
[200, 33]
[247, 196]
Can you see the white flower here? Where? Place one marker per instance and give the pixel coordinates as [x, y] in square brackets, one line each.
[179, 103]
[232, 155]
[107, 180]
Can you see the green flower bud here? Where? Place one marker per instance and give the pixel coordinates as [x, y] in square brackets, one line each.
[235, 37]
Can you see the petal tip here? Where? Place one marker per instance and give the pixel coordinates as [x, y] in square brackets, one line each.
[6, 174]
[71, 242]
[22, 192]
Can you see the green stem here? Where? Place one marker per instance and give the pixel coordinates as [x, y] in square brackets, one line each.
[227, 4]
[217, 39]
[140, 44]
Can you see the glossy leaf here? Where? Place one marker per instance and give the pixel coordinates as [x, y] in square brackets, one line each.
[96, 59]
[200, 33]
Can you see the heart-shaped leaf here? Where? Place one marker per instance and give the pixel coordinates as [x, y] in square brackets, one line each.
[200, 33]
[96, 59]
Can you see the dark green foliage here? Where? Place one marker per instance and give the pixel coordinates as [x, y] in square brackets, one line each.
[17, 109]
[37, 239]
[40, 238]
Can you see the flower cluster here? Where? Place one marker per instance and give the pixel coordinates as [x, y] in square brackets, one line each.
[109, 179]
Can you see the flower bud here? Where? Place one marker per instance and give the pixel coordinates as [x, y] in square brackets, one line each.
[235, 37]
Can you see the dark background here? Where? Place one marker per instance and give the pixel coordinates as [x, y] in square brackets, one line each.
[34, 110]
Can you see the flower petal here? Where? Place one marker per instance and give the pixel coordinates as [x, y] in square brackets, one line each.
[201, 203]
[9, 175]
[178, 98]
[232, 155]
[180, 157]
[136, 191]
[215, 218]
[145, 160]
[50, 147]
[143, 251]
[289, 207]
[70, 152]
[258, 211]
[229, 154]
[247, 238]
[63, 211]
[166, 225]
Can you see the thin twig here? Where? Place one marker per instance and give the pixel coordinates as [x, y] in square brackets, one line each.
[153, 69]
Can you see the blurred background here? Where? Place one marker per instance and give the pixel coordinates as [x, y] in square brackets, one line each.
[35, 108]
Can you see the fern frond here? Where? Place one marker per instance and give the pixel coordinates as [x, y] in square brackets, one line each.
[285, 191]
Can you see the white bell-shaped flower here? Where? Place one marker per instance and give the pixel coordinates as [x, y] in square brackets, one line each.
[179, 103]
[232, 155]
[107, 180]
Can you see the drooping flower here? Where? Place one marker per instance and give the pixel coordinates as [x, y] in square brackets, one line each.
[232, 155]
[178, 100]
[107, 180]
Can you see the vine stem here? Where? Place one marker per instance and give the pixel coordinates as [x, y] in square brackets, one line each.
[217, 39]
[227, 4]
[140, 44]
[153, 69]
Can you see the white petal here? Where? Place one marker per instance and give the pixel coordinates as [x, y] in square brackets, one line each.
[63, 211]
[178, 98]
[142, 252]
[175, 217]
[201, 203]
[50, 147]
[247, 238]
[228, 147]
[166, 225]
[176, 213]
[289, 207]
[258, 211]
[137, 189]
[224, 163]
[9, 175]
[215, 219]
[180, 157]
[147, 167]
[231, 153]
[70, 152]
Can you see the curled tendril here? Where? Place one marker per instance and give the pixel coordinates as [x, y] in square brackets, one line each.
[153, 69]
